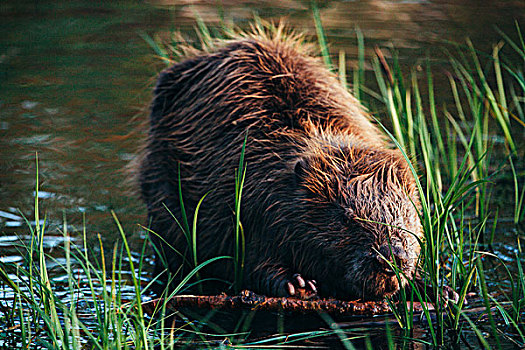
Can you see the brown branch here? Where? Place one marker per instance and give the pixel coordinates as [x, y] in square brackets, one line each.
[249, 300]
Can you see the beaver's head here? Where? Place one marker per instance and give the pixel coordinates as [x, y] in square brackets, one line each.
[359, 219]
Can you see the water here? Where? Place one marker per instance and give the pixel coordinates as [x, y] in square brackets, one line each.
[76, 76]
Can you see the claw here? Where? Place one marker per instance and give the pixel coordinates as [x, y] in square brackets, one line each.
[453, 296]
[291, 288]
[299, 280]
[450, 295]
[312, 287]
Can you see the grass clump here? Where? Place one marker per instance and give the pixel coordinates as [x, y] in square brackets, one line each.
[458, 171]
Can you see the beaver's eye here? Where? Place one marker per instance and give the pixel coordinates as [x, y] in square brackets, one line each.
[300, 170]
[346, 220]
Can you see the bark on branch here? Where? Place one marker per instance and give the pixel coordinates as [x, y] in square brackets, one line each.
[249, 300]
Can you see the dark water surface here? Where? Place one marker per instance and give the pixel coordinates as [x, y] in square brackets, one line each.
[76, 76]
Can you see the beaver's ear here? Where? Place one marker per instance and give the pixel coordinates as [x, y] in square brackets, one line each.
[300, 170]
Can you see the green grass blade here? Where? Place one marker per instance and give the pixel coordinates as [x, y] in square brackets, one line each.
[321, 36]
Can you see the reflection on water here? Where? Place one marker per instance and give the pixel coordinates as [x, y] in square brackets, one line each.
[75, 78]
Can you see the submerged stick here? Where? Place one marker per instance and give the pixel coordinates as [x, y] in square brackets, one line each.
[249, 300]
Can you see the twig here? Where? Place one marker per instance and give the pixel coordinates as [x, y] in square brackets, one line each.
[249, 300]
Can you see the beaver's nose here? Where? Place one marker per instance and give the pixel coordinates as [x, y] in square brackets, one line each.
[395, 254]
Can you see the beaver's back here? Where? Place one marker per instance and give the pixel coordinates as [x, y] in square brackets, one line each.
[205, 104]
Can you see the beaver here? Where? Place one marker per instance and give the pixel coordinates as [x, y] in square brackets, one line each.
[327, 205]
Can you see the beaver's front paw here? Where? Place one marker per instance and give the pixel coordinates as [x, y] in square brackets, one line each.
[450, 295]
[301, 288]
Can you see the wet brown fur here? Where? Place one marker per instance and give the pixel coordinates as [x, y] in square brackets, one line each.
[324, 195]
